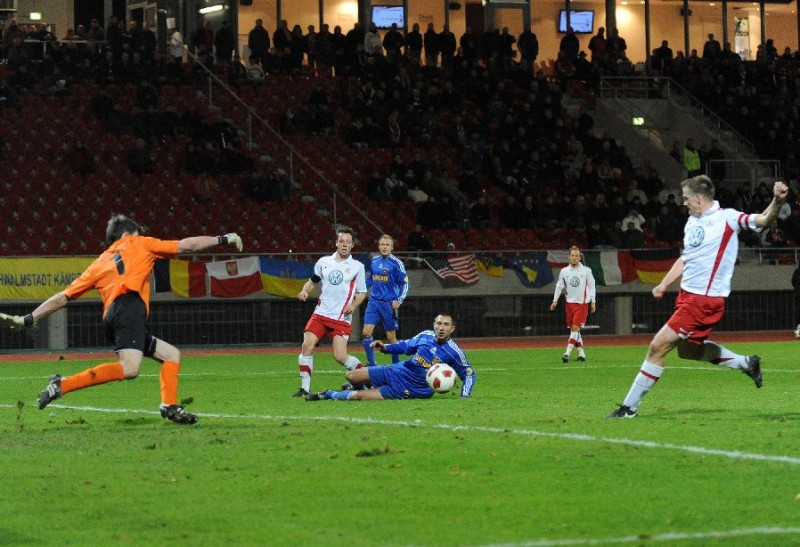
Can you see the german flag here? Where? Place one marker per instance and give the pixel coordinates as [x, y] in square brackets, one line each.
[653, 264]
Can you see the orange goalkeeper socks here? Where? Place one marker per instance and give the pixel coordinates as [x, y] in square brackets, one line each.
[169, 382]
[101, 374]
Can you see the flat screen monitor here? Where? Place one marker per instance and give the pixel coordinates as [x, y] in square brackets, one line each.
[384, 16]
[580, 20]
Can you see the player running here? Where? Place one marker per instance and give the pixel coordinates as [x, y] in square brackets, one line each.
[343, 290]
[710, 246]
[577, 283]
[389, 286]
[406, 380]
[121, 274]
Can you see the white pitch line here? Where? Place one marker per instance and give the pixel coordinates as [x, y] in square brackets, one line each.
[290, 372]
[730, 454]
[646, 538]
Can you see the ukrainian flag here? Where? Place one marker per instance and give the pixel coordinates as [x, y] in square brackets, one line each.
[284, 277]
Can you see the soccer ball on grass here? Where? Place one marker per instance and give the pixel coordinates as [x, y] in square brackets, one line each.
[441, 377]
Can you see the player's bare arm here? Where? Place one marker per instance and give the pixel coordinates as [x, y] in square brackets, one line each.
[49, 306]
[355, 303]
[674, 273]
[307, 288]
[202, 243]
[779, 193]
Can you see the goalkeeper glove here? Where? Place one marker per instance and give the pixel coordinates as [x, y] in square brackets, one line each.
[17, 321]
[232, 239]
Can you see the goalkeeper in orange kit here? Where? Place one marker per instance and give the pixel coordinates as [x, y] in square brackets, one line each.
[121, 274]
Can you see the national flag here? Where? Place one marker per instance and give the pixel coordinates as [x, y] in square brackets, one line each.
[491, 265]
[284, 277]
[557, 259]
[181, 277]
[232, 278]
[459, 268]
[533, 269]
[653, 264]
[610, 267]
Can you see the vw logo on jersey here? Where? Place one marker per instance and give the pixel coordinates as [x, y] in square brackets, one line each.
[574, 281]
[335, 277]
[695, 236]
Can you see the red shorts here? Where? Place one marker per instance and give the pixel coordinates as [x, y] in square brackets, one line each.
[577, 314]
[325, 326]
[696, 315]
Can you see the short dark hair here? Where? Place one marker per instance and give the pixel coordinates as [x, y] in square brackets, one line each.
[120, 224]
[342, 229]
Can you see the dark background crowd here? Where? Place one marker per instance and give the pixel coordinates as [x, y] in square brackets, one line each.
[461, 135]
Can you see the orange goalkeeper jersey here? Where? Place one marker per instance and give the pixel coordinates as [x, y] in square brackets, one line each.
[122, 268]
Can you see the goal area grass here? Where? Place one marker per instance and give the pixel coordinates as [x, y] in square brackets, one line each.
[529, 460]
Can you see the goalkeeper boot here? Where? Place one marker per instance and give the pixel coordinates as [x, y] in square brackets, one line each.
[51, 392]
[754, 369]
[318, 396]
[300, 393]
[177, 414]
[623, 412]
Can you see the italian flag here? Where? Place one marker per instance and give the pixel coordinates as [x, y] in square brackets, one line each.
[610, 267]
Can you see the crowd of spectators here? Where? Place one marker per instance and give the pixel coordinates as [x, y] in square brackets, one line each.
[522, 160]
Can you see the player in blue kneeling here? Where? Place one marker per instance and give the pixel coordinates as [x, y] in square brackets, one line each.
[406, 380]
[388, 281]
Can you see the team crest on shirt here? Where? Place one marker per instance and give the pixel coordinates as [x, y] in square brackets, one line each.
[335, 277]
[574, 281]
[695, 236]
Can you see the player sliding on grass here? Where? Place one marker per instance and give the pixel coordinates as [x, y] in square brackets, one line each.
[710, 246]
[577, 283]
[122, 277]
[406, 380]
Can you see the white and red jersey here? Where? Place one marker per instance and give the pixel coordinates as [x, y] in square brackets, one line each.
[577, 284]
[710, 247]
[341, 281]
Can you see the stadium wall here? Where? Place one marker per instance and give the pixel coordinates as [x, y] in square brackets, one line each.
[762, 299]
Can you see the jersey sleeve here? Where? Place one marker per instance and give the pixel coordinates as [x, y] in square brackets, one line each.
[84, 282]
[559, 285]
[401, 280]
[591, 286]
[458, 360]
[742, 221]
[361, 279]
[162, 248]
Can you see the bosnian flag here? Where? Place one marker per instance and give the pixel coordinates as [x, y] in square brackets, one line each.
[232, 278]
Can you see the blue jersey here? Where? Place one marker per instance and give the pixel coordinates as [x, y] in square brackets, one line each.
[388, 279]
[426, 352]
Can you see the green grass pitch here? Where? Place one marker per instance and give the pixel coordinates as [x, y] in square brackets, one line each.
[529, 460]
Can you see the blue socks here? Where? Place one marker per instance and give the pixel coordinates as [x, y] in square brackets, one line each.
[338, 395]
[369, 351]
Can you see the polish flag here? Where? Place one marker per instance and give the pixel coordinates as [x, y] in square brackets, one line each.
[232, 278]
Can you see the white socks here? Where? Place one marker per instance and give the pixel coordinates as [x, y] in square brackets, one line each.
[718, 355]
[306, 366]
[575, 341]
[352, 363]
[644, 381]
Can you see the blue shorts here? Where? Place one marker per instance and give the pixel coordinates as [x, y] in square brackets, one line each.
[381, 312]
[400, 381]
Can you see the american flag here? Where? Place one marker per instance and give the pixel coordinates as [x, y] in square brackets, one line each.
[460, 267]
